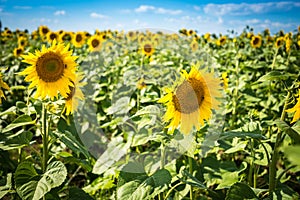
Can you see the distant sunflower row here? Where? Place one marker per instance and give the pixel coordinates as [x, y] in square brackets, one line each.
[147, 41]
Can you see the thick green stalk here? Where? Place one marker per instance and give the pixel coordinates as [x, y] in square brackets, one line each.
[44, 137]
[191, 172]
[272, 167]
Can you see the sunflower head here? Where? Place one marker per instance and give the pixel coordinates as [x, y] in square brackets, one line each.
[79, 39]
[75, 94]
[43, 30]
[4, 86]
[221, 41]
[18, 51]
[51, 71]
[95, 43]
[22, 41]
[147, 48]
[52, 36]
[191, 101]
[279, 42]
[194, 45]
[256, 41]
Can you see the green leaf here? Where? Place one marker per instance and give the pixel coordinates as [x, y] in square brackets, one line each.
[243, 135]
[145, 187]
[20, 139]
[31, 185]
[240, 191]
[71, 141]
[191, 180]
[116, 149]
[274, 75]
[292, 153]
[11, 110]
[131, 171]
[78, 194]
[291, 131]
[241, 146]
[7, 187]
[22, 120]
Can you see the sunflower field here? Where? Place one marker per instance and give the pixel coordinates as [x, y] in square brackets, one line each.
[149, 114]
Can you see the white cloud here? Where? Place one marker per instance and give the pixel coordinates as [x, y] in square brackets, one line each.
[146, 8]
[22, 7]
[196, 8]
[125, 11]
[60, 12]
[97, 15]
[167, 11]
[246, 8]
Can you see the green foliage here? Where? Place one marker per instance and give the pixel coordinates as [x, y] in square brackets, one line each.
[31, 185]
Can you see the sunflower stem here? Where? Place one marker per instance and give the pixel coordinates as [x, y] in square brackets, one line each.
[272, 167]
[44, 137]
[191, 172]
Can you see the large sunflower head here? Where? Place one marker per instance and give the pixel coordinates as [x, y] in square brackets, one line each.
[75, 94]
[256, 41]
[190, 102]
[51, 70]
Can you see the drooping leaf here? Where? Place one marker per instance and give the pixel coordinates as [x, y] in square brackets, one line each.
[239, 134]
[31, 185]
[20, 121]
[291, 131]
[71, 142]
[116, 149]
[20, 139]
[240, 191]
[145, 187]
[7, 187]
[274, 75]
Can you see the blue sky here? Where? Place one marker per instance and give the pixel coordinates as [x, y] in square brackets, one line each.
[201, 15]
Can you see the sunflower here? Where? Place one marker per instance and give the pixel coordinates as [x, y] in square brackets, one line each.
[52, 36]
[256, 41]
[192, 100]
[79, 39]
[43, 30]
[22, 41]
[279, 42]
[221, 41]
[2, 85]
[65, 36]
[288, 44]
[225, 80]
[51, 70]
[94, 43]
[74, 95]
[131, 36]
[295, 109]
[18, 51]
[207, 37]
[108, 46]
[194, 45]
[147, 48]
[141, 84]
